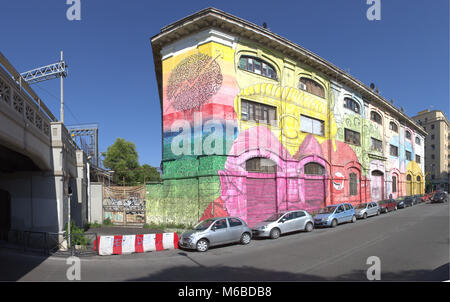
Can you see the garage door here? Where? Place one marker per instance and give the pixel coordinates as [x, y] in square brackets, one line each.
[261, 199]
[315, 193]
[377, 185]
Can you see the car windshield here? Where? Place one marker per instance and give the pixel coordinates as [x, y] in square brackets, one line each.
[203, 225]
[401, 198]
[327, 210]
[274, 217]
[361, 206]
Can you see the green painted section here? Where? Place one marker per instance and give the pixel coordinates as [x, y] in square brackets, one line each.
[188, 187]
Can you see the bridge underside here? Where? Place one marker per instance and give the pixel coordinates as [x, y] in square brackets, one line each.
[11, 161]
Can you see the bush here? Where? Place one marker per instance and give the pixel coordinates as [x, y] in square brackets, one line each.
[76, 234]
[107, 222]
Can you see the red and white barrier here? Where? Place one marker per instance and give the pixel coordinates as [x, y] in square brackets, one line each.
[127, 244]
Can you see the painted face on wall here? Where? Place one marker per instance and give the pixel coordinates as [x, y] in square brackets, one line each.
[338, 183]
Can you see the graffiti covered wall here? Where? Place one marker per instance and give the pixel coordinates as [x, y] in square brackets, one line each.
[248, 132]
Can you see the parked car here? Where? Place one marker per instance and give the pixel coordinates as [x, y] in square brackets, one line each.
[418, 198]
[387, 205]
[401, 202]
[216, 231]
[410, 201]
[364, 210]
[427, 196]
[335, 214]
[439, 197]
[286, 222]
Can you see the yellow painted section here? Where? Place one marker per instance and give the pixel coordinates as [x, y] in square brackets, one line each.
[414, 186]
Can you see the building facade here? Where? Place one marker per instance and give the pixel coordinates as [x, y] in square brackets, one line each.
[253, 124]
[437, 146]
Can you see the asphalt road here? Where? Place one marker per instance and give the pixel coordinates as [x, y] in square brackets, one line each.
[412, 245]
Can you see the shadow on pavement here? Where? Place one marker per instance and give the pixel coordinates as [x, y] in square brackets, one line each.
[226, 273]
[15, 264]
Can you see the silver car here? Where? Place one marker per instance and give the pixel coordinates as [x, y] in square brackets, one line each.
[216, 231]
[365, 210]
[286, 222]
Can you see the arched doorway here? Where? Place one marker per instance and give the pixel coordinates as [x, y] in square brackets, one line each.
[261, 189]
[377, 185]
[314, 184]
[5, 214]
[419, 185]
[409, 185]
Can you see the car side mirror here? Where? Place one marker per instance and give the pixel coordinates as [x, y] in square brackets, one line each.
[213, 228]
[283, 220]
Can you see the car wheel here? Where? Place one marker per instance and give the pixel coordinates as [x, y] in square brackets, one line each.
[333, 223]
[202, 245]
[354, 218]
[364, 216]
[246, 238]
[309, 227]
[274, 233]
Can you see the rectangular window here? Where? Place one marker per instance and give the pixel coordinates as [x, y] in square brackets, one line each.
[253, 111]
[311, 125]
[353, 184]
[394, 184]
[352, 137]
[418, 159]
[408, 155]
[393, 150]
[377, 145]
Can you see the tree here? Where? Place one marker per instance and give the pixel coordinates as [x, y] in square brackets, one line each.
[122, 158]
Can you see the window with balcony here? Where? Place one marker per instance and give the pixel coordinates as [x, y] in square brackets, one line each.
[258, 66]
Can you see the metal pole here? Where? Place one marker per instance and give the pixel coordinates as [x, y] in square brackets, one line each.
[68, 225]
[62, 94]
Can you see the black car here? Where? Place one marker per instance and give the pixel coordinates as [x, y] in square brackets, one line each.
[401, 202]
[439, 197]
[410, 201]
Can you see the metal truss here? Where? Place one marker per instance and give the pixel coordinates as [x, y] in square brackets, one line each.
[86, 137]
[45, 73]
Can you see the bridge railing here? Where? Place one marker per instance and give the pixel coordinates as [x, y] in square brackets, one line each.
[30, 108]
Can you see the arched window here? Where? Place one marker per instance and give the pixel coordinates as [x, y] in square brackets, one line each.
[417, 140]
[408, 134]
[261, 165]
[314, 169]
[351, 104]
[394, 184]
[375, 117]
[408, 177]
[393, 126]
[353, 184]
[257, 66]
[418, 178]
[312, 87]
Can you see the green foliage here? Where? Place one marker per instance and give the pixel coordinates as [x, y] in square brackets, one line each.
[122, 158]
[76, 234]
[164, 226]
[107, 222]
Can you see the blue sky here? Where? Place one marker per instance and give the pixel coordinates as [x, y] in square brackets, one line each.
[111, 74]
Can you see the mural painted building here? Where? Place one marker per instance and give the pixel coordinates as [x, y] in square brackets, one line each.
[254, 124]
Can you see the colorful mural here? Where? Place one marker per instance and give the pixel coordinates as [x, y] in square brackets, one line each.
[238, 142]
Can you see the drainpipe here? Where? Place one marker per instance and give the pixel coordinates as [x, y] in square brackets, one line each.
[89, 188]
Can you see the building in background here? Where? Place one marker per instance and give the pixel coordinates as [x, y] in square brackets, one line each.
[437, 148]
[254, 124]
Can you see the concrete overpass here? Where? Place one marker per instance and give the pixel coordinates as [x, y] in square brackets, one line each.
[38, 162]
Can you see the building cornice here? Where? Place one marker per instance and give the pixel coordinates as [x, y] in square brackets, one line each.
[214, 18]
